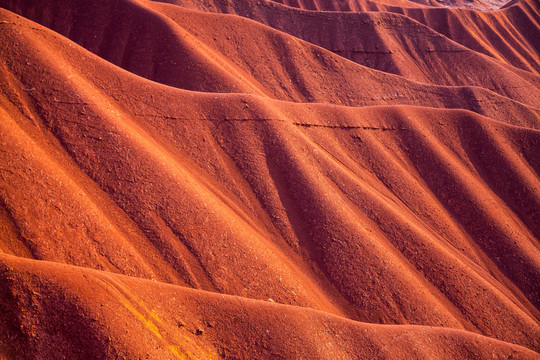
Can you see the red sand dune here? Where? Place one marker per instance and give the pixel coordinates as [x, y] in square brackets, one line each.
[247, 180]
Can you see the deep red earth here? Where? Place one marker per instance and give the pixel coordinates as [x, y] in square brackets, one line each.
[255, 179]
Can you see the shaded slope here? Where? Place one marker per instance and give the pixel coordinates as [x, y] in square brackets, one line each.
[72, 310]
[361, 212]
[351, 5]
[363, 5]
[412, 214]
[386, 42]
[308, 73]
[509, 35]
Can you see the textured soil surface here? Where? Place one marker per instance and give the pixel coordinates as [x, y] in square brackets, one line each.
[256, 179]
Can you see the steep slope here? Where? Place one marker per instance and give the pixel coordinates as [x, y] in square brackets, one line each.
[510, 35]
[387, 42]
[351, 5]
[363, 5]
[191, 50]
[305, 225]
[78, 313]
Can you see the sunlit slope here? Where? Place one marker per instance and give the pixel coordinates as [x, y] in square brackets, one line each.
[81, 313]
[509, 35]
[172, 180]
[397, 215]
[217, 53]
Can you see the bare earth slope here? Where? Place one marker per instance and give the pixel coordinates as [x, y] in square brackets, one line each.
[177, 183]
[509, 35]
[115, 316]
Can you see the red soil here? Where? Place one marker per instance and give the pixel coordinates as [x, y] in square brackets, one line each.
[247, 180]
